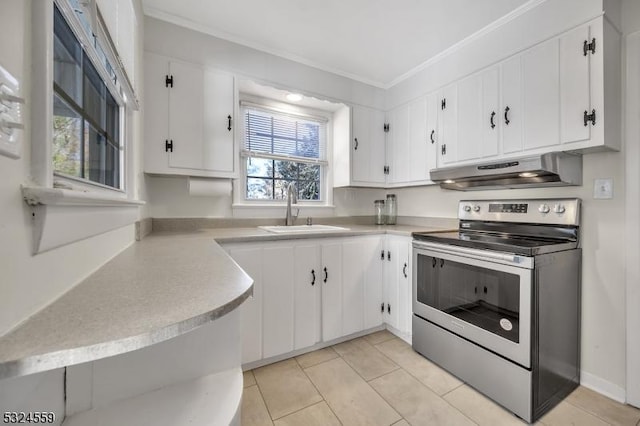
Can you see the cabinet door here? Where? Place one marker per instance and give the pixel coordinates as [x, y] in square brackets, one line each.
[201, 109]
[392, 283]
[186, 120]
[250, 260]
[469, 118]
[418, 141]
[511, 114]
[307, 296]
[574, 85]
[541, 95]
[490, 112]
[278, 299]
[373, 282]
[402, 247]
[217, 152]
[156, 113]
[367, 146]
[331, 280]
[398, 145]
[353, 275]
[432, 131]
[448, 125]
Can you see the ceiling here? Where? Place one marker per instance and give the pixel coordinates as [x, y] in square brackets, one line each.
[377, 42]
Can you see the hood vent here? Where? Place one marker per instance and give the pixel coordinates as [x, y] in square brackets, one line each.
[551, 169]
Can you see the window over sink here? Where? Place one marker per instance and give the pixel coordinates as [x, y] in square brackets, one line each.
[280, 148]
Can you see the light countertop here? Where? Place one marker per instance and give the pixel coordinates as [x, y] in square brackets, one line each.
[163, 286]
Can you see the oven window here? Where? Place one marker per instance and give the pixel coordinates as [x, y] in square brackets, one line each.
[486, 298]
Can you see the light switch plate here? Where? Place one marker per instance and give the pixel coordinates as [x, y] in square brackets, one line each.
[603, 189]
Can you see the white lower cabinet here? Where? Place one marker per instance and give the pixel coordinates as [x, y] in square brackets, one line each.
[397, 283]
[308, 291]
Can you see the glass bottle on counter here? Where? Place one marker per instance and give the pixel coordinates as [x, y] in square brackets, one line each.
[392, 209]
[379, 213]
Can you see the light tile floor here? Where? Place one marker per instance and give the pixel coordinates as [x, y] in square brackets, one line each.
[379, 380]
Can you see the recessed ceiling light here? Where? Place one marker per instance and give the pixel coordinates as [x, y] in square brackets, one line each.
[449, 181]
[528, 174]
[294, 97]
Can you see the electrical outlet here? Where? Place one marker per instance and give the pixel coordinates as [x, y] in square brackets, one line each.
[603, 189]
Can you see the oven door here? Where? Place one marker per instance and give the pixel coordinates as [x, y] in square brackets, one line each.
[481, 295]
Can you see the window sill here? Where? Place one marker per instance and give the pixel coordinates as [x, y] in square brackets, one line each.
[63, 216]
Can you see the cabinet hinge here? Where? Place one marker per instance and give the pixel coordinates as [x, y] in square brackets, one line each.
[168, 81]
[443, 103]
[386, 127]
[589, 47]
[590, 117]
[443, 149]
[168, 145]
[382, 307]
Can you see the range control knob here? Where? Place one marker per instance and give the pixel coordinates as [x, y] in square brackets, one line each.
[476, 208]
[543, 208]
[467, 208]
[558, 208]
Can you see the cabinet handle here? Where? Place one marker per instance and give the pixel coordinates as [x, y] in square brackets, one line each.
[229, 126]
[389, 256]
[493, 124]
[388, 308]
[382, 307]
[313, 274]
[506, 116]
[434, 261]
[355, 147]
[431, 137]
[326, 275]
[382, 255]
[404, 270]
[441, 263]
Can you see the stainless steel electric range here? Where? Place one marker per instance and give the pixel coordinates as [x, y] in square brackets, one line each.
[498, 302]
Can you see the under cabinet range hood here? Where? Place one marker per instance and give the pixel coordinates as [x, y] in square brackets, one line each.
[551, 169]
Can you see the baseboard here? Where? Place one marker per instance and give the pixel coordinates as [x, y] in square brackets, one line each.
[404, 336]
[602, 386]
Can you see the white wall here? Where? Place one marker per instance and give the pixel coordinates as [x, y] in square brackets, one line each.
[28, 282]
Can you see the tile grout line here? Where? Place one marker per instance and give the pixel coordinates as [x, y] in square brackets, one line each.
[451, 390]
[318, 390]
[262, 396]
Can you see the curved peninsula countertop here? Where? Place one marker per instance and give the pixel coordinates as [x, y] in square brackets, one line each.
[161, 287]
[156, 289]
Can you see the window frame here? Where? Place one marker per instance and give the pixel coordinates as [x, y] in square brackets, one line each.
[109, 77]
[325, 117]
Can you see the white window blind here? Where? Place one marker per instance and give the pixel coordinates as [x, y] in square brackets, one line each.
[284, 136]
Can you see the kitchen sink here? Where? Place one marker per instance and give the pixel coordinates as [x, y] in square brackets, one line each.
[302, 229]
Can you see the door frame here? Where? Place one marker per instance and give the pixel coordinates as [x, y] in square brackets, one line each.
[632, 197]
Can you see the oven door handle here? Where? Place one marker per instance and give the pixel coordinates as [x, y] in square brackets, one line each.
[483, 254]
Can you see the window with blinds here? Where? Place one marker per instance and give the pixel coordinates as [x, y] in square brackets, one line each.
[280, 148]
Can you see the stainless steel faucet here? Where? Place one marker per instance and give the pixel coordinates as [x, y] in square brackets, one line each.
[292, 193]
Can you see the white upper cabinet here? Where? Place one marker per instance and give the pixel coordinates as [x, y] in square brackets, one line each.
[398, 145]
[490, 121]
[189, 119]
[574, 85]
[470, 123]
[367, 147]
[511, 116]
[448, 125]
[419, 145]
[541, 95]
